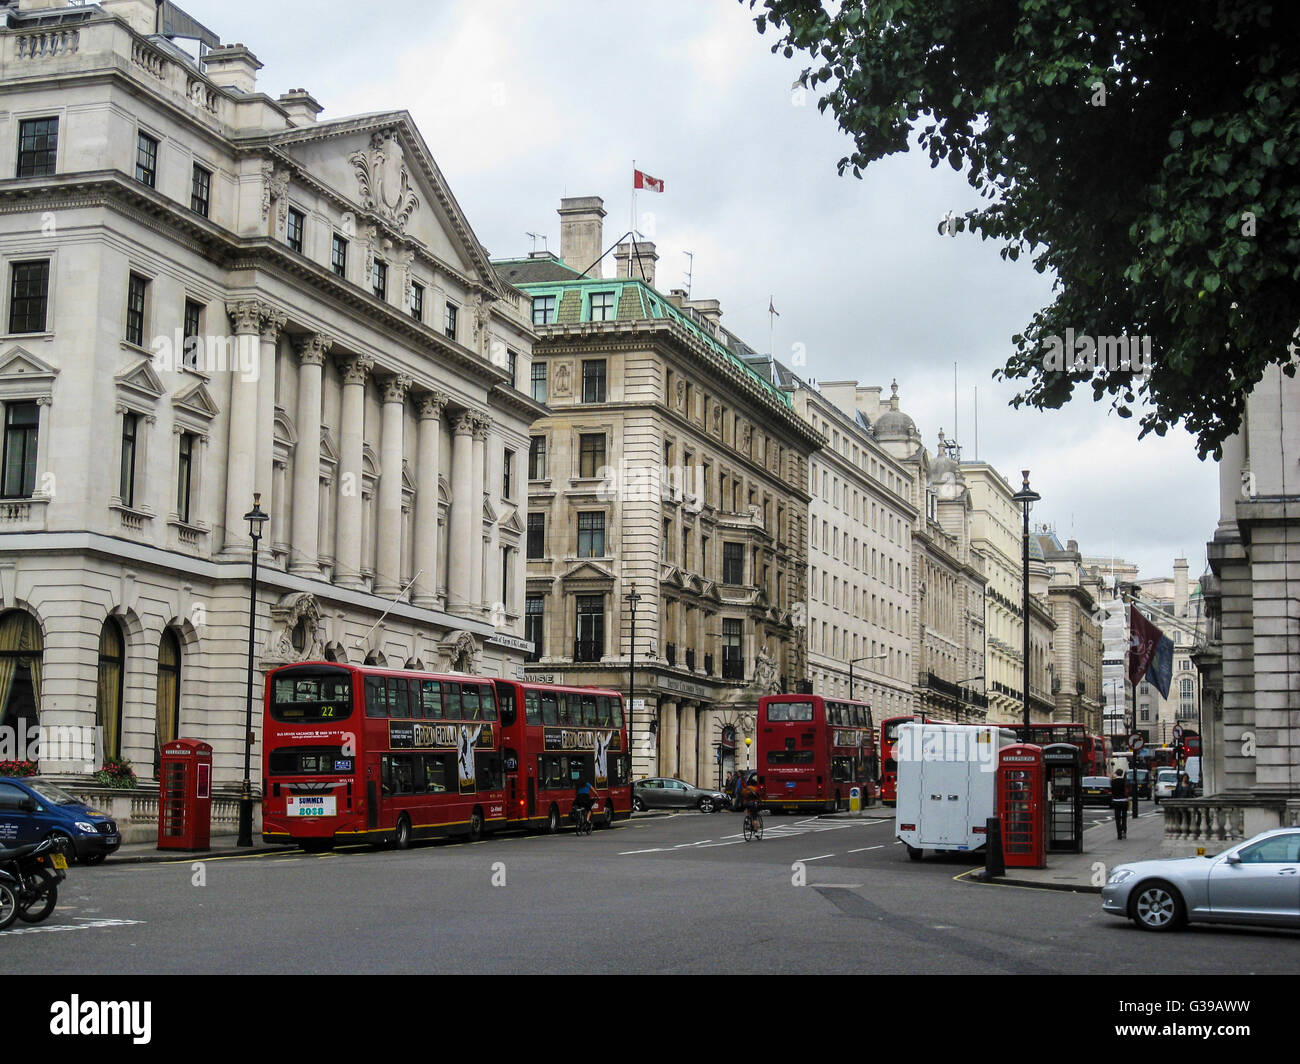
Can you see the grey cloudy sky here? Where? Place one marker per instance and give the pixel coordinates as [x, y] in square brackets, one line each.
[525, 101]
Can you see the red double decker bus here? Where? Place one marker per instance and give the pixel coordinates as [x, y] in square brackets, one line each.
[888, 762]
[1094, 750]
[360, 754]
[813, 750]
[554, 738]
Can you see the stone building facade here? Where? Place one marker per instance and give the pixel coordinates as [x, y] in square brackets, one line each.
[670, 466]
[213, 295]
[1072, 596]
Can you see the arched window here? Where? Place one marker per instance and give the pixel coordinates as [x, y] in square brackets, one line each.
[21, 647]
[167, 718]
[108, 702]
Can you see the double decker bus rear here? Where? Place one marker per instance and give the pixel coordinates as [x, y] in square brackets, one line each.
[888, 758]
[554, 738]
[357, 754]
[813, 751]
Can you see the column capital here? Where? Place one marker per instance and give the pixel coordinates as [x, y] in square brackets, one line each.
[466, 423]
[272, 323]
[396, 387]
[482, 426]
[430, 405]
[356, 368]
[245, 315]
[312, 348]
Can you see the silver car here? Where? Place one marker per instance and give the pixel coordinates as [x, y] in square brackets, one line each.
[1253, 882]
[666, 793]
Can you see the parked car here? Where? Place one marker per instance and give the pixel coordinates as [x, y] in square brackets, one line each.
[1253, 882]
[1143, 783]
[1166, 781]
[1096, 790]
[665, 793]
[32, 809]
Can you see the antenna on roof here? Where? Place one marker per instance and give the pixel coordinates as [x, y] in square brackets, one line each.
[690, 271]
[536, 237]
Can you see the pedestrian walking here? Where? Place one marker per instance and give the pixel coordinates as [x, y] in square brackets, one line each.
[1183, 788]
[1119, 803]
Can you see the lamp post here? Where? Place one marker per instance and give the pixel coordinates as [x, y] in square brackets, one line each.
[632, 598]
[1131, 596]
[968, 679]
[256, 519]
[1025, 497]
[870, 657]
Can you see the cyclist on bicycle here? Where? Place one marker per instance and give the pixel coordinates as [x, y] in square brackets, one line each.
[751, 797]
[584, 798]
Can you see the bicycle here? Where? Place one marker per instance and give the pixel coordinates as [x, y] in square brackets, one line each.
[753, 827]
[582, 825]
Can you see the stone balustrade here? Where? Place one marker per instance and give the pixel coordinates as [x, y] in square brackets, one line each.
[136, 811]
[1219, 821]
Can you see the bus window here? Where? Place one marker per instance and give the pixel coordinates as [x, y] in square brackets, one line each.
[616, 705]
[778, 712]
[488, 702]
[506, 700]
[798, 711]
[376, 697]
[575, 708]
[399, 703]
[487, 772]
[431, 699]
[789, 757]
[589, 710]
[532, 708]
[451, 701]
[301, 698]
[439, 773]
[549, 772]
[842, 769]
[602, 711]
[469, 701]
[401, 771]
[550, 709]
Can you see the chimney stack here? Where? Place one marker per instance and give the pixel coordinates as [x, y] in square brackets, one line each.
[710, 310]
[641, 265]
[301, 106]
[232, 66]
[1180, 587]
[582, 233]
[140, 15]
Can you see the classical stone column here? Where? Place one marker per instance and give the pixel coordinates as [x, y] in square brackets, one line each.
[667, 738]
[493, 591]
[305, 544]
[241, 455]
[429, 409]
[465, 504]
[272, 324]
[347, 535]
[482, 425]
[388, 576]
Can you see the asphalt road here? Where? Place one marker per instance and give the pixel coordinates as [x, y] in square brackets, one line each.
[674, 894]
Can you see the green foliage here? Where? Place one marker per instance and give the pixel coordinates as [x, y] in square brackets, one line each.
[1145, 152]
[116, 773]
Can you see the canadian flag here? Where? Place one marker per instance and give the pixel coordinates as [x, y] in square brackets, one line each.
[651, 184]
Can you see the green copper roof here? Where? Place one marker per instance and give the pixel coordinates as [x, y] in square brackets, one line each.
[632, 300]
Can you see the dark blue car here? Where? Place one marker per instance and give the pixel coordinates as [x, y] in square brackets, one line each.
[32, 809]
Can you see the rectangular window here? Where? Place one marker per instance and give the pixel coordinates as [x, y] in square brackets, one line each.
[193, 342]
[591, 454]
[136, 290]
[602, 306]
[21, 422]
[537, 458]
[29, 293]
[591, 534]
[417, 301]
[146, 160]
[512, 367]
[508, 476]
[38, 144]
[379, 279]
[543, 310]
[449, 320]
[733, 650]
[593, 381]
[536, 535]
[339, 256]
[130, 437]
[733, 563]
[295, 230]
[591, 628]
[201, 191]
[534, 621]
[539, 381]
[185, 476]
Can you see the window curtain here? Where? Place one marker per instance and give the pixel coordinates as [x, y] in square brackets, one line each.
[167, 718]
[108, 708]
[20, 638]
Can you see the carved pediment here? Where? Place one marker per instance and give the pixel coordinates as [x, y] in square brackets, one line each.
[198, 402]
[589, 571]
[19, 363]
[513, 524]
[141, 380]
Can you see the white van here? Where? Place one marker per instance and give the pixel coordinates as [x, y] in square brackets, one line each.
[946, 784]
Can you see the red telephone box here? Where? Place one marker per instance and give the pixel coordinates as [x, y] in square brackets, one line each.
[1022, 805]
[185, 796]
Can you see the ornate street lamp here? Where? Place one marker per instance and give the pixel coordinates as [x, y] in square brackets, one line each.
[632, 598]
[870, 657]
[1026, 497]
[256, 519]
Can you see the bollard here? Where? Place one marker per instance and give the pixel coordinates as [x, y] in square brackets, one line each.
[994, 862]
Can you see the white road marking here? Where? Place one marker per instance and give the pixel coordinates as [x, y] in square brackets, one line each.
[821, 858]
[866, 848]
[88, 926]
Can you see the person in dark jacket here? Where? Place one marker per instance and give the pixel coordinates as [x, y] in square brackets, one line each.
[1119, 803]
[1183, 788]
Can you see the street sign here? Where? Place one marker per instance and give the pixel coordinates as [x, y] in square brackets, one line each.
[1178, 732]
[1136, 742]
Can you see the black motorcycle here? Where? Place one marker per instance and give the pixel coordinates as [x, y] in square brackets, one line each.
[31, 875]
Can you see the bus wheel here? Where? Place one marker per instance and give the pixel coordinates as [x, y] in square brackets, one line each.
[609, 815]
[476, 825]
[403, 838]
[913, 852]
[553, 822]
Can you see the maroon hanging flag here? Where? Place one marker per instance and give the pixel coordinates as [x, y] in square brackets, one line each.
[1144, 637]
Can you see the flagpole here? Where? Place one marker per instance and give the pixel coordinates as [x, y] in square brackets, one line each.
[771, 328]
